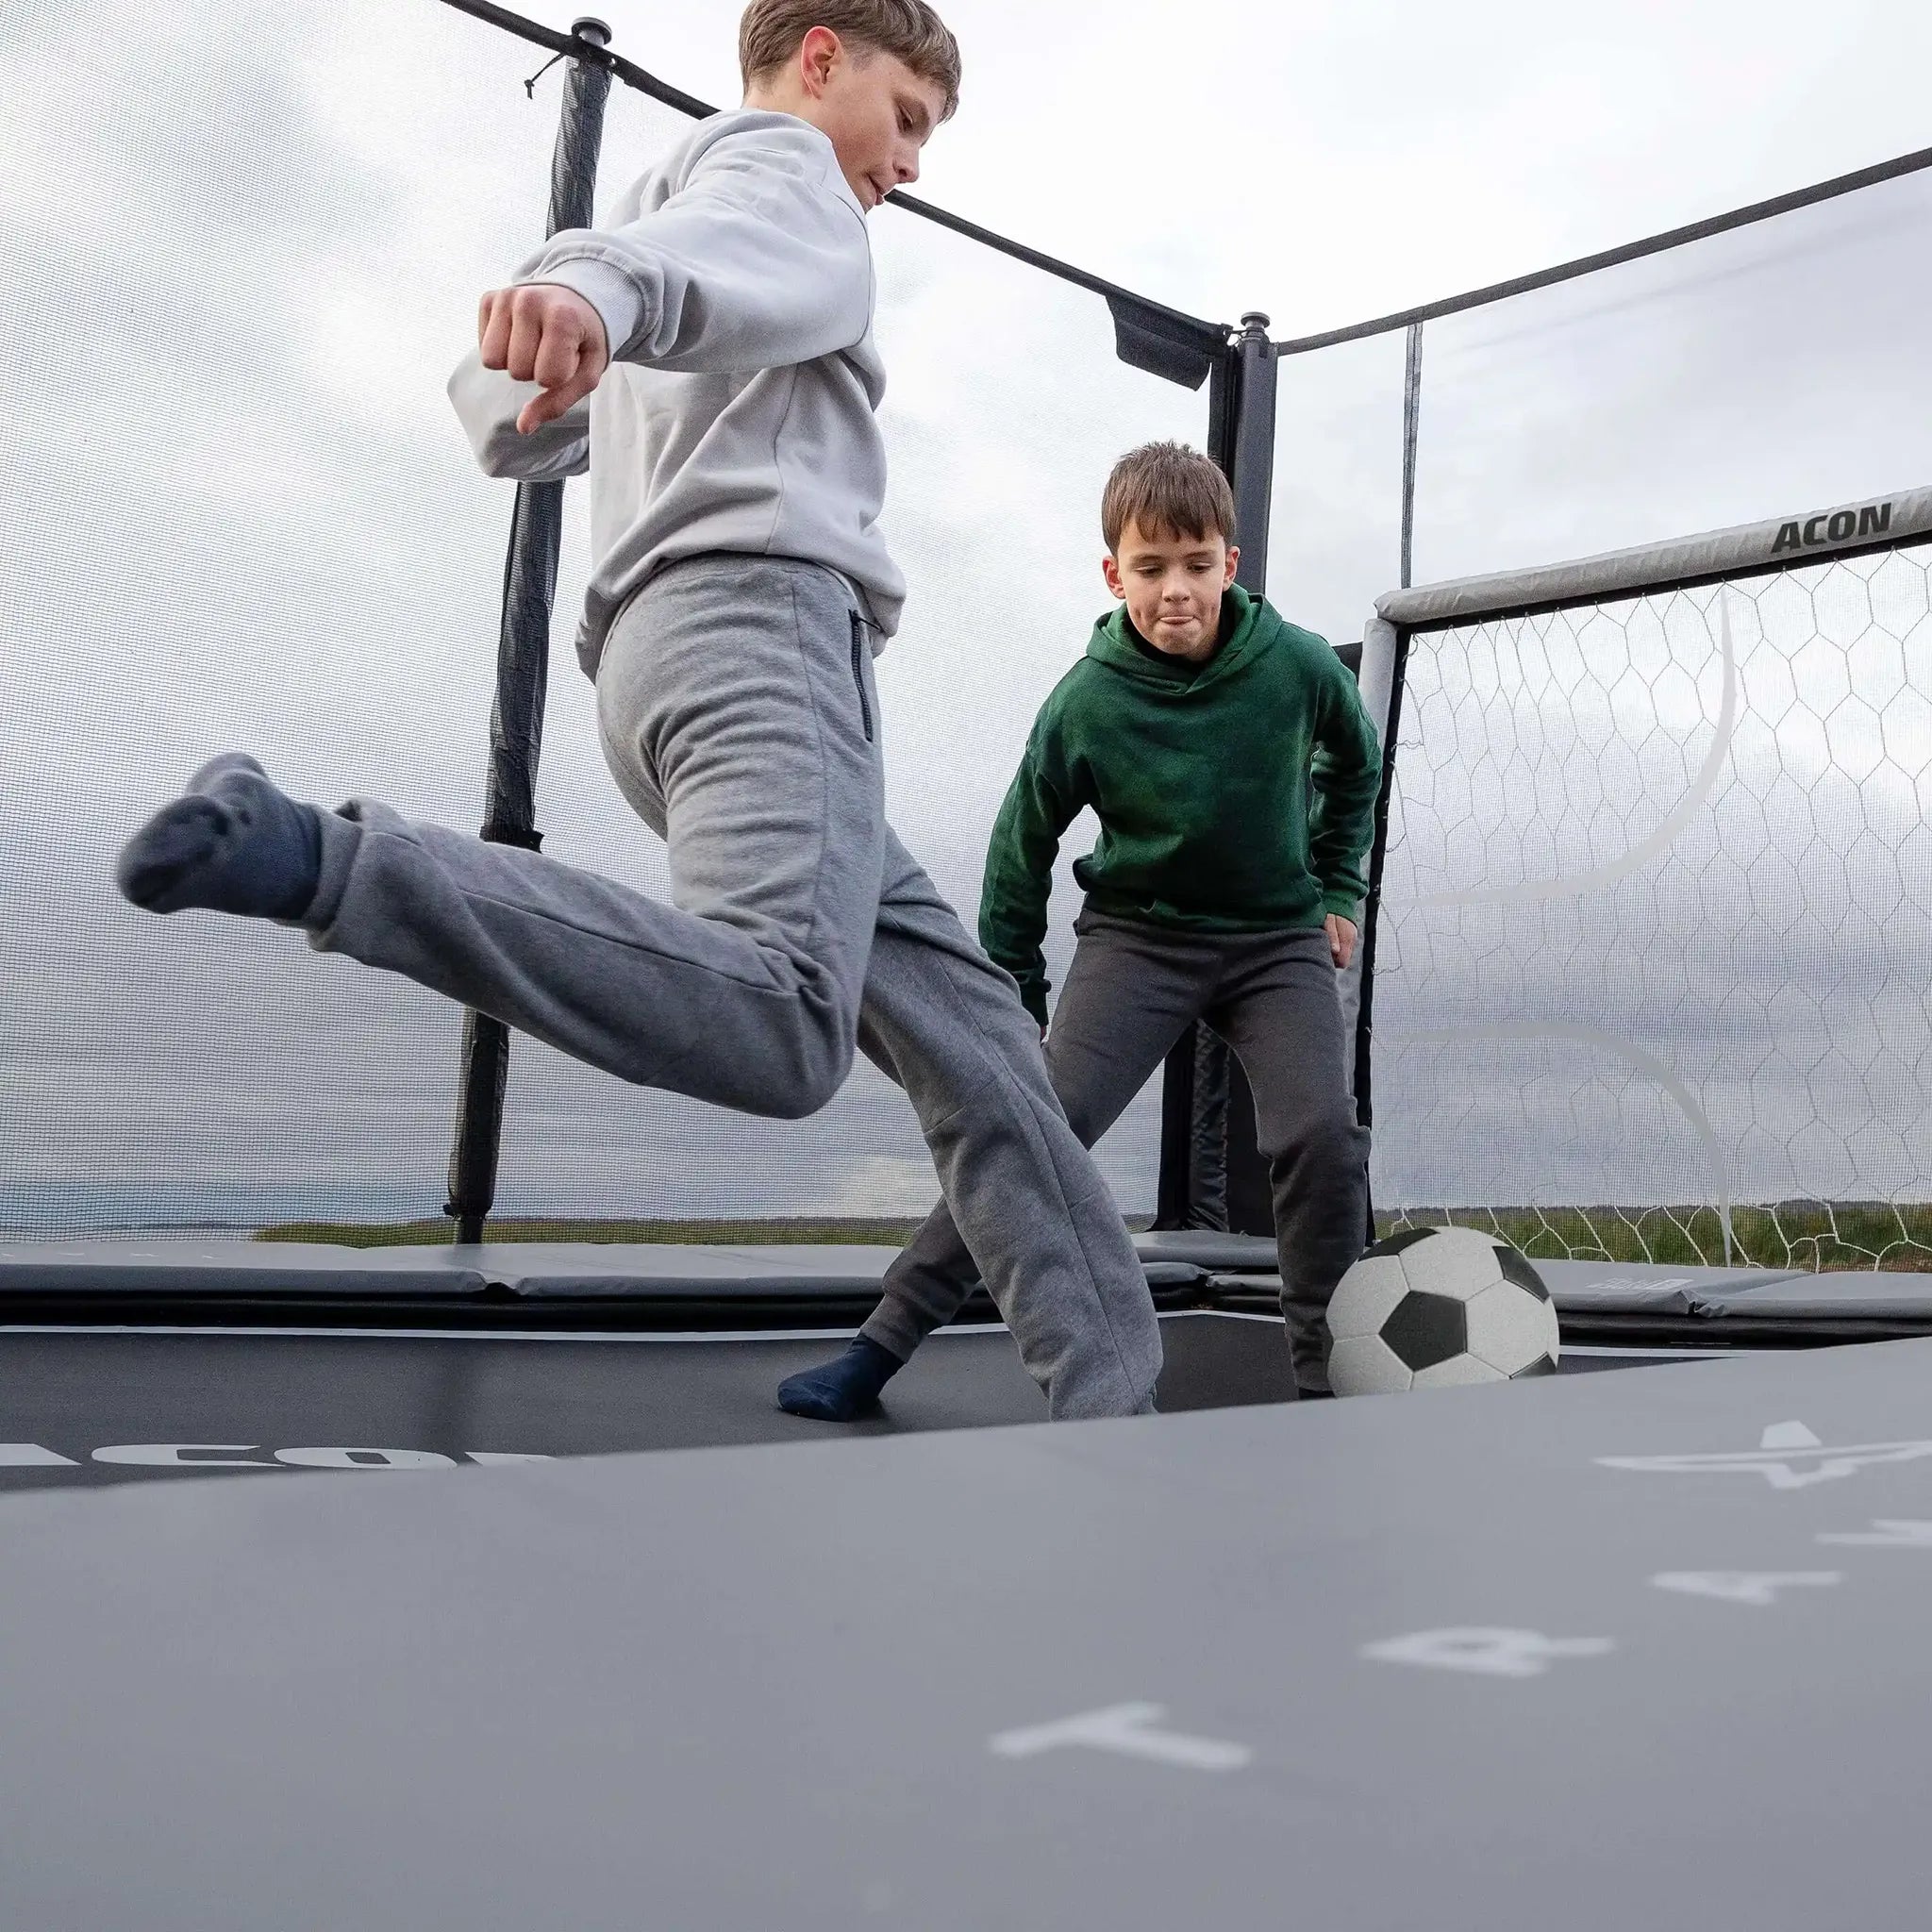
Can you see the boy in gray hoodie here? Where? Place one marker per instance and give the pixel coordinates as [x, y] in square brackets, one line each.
[708, 358]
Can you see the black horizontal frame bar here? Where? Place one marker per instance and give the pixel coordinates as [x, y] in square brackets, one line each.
[1612, 258]
[1211, 339]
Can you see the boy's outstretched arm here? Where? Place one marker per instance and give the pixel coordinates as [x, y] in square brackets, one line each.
[1346, 776]
[760, 261]
[1041, 804]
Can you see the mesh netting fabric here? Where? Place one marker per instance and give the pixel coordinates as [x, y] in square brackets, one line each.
[1658, 925]
[255, 524]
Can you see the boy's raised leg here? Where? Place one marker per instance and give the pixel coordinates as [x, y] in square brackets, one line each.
[733, 724]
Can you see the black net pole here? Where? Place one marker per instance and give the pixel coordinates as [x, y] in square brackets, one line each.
[1412, 426]
[523, 670]
[1211, 1173]
[1249, 1202]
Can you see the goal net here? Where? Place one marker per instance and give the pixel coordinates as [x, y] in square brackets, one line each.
[1654, 941]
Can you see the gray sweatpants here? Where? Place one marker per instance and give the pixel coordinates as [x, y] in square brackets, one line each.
[1129, 993]
[738, 716]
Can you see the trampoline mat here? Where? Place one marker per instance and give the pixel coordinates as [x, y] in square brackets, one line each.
[116, 1405]
[1637, 1649]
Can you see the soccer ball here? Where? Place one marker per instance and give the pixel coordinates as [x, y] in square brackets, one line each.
[1440, 1308]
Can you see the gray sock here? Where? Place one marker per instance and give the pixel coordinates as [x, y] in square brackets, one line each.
[231, 842]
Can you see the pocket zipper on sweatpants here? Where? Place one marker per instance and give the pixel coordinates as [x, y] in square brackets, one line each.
[859, 671]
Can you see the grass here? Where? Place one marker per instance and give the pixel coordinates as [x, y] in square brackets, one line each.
[440, 1233]
[1805, 1235]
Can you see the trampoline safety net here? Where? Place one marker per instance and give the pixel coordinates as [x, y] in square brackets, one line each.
[1638, 993]
[255, 523]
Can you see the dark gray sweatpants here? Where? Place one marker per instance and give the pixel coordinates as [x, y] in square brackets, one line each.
[1131, 993]
[738, 717]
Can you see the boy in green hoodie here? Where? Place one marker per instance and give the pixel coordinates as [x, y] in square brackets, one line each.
[1234, 772]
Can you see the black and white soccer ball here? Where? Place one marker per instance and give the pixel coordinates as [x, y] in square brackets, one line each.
[1440, 1308]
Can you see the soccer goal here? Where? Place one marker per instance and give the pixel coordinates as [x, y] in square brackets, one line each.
[1648, 972]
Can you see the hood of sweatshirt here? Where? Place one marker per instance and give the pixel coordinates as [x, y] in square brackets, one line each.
[1249, 626]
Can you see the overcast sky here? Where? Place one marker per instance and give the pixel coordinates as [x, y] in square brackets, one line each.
[242, 247]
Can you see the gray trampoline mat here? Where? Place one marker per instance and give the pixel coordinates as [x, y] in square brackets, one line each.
[821, 1686]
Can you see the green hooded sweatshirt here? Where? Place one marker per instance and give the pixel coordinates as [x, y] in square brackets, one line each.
[1237, 795]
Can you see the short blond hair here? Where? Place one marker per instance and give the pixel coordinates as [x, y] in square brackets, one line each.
[771, 32]
[1166, 490]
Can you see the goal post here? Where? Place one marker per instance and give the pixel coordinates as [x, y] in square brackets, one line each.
[1648, 942]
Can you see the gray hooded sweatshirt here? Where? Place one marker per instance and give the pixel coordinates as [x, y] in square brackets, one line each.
[736, 288]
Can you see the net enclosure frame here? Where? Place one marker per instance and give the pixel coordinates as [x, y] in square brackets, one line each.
[1749, 557]
[1238, 365]
[1211, 1174]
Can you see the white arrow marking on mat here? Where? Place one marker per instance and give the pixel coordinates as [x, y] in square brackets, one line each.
[30, 1455]
[1886, 1533]
[1758, 1586]
[1123, 1729]
[1789, 1457]
[1485, 1651]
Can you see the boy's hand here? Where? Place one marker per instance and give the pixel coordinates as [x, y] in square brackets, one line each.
[1340, 940]
[545, 333]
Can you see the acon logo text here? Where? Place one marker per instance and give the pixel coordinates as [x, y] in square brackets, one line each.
[1834, 526]
[187, 1456]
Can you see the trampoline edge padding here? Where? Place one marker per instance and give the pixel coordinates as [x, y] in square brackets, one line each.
[1649, 1302]
[174, 1268]
[1211, 1248]
[805, 1275]
[834, 1285]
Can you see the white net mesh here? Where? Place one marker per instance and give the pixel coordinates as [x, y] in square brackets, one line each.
[1657, 928]
[247, 520]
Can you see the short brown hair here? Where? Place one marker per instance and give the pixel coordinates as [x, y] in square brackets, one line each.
[771, 31]
[1167, 490]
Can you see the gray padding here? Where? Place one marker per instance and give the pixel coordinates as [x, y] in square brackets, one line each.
[1863, 1296]
[709, 1689]
[1177, 1263]
[680, 1272]
[1752, 1295]
[539, 1269]
[1613, 1286]
[1644, 1286]
[1376, 680]
[1601, 1288]
[1719, 553]
[1227, 1254]
[253, 1268]
[536, 1270]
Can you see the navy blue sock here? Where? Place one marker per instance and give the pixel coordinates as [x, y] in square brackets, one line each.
[231, 842]
[843, 1389]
